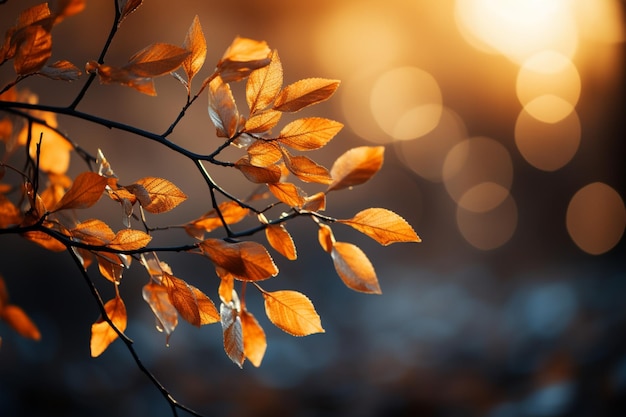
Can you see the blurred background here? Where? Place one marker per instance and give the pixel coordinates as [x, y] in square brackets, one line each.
[504, 135]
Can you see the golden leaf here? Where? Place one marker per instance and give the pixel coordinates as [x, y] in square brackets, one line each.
[182, 298]
[309, 133]
[85, 192]
[325, 237]
[315, 202]
[156, 59]
[222, 108]
[279, 238]
[206, 308]
[305, 93]
[287, 193]
[382, 225]
[128, 239]
[102, 334]
[110, 266]
[60, 70]
[254, 340]
[292, 312]
[230, 211]
[241, 58]
[307, 170]
[262, 121]
[126, 7]
[164, 195]
[34, 48]
[263, 153]
[123, 76]
[44, 240]
[264, 84]
[247, 261]
[258, 174]
[196, 44]
[356, 166]
[93, 232]
[354, 268]
[158, 299]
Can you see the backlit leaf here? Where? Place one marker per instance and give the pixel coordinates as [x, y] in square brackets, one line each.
[292, 312]
[254, 340]
[128, 240]
[309, 133]
[263, 153]
[60, 70]
[126, 7]
[158, 299]
[305, 93]
[110, 266]
[67, 8]
[354, 268]
[280, 239]
[287, 193]
[164, 195]
[233, 333]
[19, 321]
[85, 192]
[241, 58]
[262, 121]
[182, 298]
[44, 240]
[114, 75]
[258, 174]
[248, 261]
[264, 84]
[315, 202]
[33, 50]
[206, 308]
[382, 225]
[54, 149]
[157, 59]
[93, 232]
[307, 170]
[9, 213]
[196, 44]
[325, 237]
[231, 213]
[222, 108]
[102, 334]
[356, 166]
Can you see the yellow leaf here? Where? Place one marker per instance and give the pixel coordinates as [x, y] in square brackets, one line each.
[254, 340]
[158, 299]
[102, 334]
[287, 193]
[309, 133]
[280, 239]
[222, 108]
[128, 239]
[247, 261]
[382, 225]
[305, 93]
[85, 192]
[264, 84]
[19, 321]
[354, 268]
[356, 166]
[292, 312]
[196, 44]
[164, 195]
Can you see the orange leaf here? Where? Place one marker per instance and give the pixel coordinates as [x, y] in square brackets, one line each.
[15, 317]
[325, 237]
[262, 121]
[9, 213]
[247, 261]
[44, 240]
[60, 70]
[93, 232]
[158, 299]
[196, 44]
[254, 341]
[258, 174]
[182, 298]
[156, 59]
[315, 202]
[206, 308]
[163, 194]
[305, 93]
[4, 293]
[66, 8]
[264, 84]
[222, 108]
[231, 212]
[280, 239]
[227, 284]
[110, 266]
[306, 169]
[128, 240]
[113, 75]
[292, 312]
[126, 7]
[356, 166]
[309, 133]
[354, 268]
[241, 58]
[102, 334]
[287, 193]
[85, 192]
[54, 150]
[263, 153]
[233, 333]
[382, 225]
[33, 50]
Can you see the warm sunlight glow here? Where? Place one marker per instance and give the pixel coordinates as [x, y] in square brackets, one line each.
[483, 197]
[518, 28]
[355, 104]
[549, 108]
[547, 146]
[425, 155]
[475, 161]
[406, 102]
[596, 218]
[600, 20]
[490, 229]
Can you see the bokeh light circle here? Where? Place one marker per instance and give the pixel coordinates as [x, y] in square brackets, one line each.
[425, 155]
[355, 96]
[596, 218]
[547, 146]
[490, 229]
[483, 197]
[474, 161]
[406, 102]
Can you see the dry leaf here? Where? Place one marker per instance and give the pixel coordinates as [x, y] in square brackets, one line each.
[164, 195]
[287, 193]
[102, 334]
[258, 174]
[382, 225]
[34, 48]
[156, 59]
[254, 340]
[19, 321]
[129, 240]
[262, 122]
[60, 70]
[222, 108]
[233, 333]
[292, 312]
[85, 192]
[241, 58]
[247, 261]
[264, 84]
[354, 268]
[305, 93]
[196, 44]
[325, 237]
[158, 299]
[356, 166]
[126, 7]
[263, 153]
[279, 238]
[93, 232]
[307, 170]
[231, 213]
[309, 133]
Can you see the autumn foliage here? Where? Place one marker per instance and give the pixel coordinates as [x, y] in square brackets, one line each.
[40, 202]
